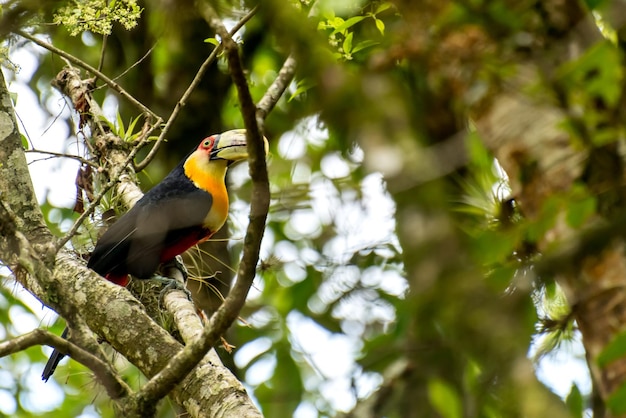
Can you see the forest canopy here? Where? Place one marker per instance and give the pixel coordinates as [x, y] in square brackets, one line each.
[439, 220]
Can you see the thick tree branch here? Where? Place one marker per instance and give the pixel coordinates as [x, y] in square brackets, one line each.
[184, 314]
[109, 309]
[15, 248]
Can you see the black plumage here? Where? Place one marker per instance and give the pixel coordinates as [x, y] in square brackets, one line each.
[168, 217]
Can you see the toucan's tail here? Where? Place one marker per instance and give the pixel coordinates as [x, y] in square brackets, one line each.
[53, 361]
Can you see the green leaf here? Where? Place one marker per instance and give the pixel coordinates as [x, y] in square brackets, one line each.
[25, 143]
[363, 45]
[212, 41]
[347, 43]
[121, 131]
[575, 402]
[471, 374]
[593, 4]
[302, 87]
[614, 350]
[478, 153]
[596, 73]
[444, 399]
[348, 24]
[382, 7]
[578, 211]
[617, 400]
[131, 128]
[381, 26]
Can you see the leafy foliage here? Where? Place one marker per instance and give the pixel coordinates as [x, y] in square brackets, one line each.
[97, 16]
[340, 32]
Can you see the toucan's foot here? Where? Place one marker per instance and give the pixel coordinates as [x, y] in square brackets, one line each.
[170, 284]
[174, 276]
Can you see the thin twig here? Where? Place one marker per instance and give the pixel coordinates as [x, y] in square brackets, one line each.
[102, 51]
[194, 83]
[63, 155]
[115, 86]
[136, 63]
[276, 90]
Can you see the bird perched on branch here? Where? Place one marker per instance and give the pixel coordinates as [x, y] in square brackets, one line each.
[188, 206]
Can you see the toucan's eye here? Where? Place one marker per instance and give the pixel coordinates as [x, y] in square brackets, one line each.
[208, 143]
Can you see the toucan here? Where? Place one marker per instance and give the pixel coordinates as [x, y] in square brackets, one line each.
[188, 206]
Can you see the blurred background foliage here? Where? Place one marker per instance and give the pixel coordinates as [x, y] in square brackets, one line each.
[396, 269]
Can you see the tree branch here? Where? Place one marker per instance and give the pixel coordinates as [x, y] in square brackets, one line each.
[277, 89]
[185, 315]
[115, 387]
[26, 263]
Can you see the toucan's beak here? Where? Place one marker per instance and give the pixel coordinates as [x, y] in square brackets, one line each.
[232, 146]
